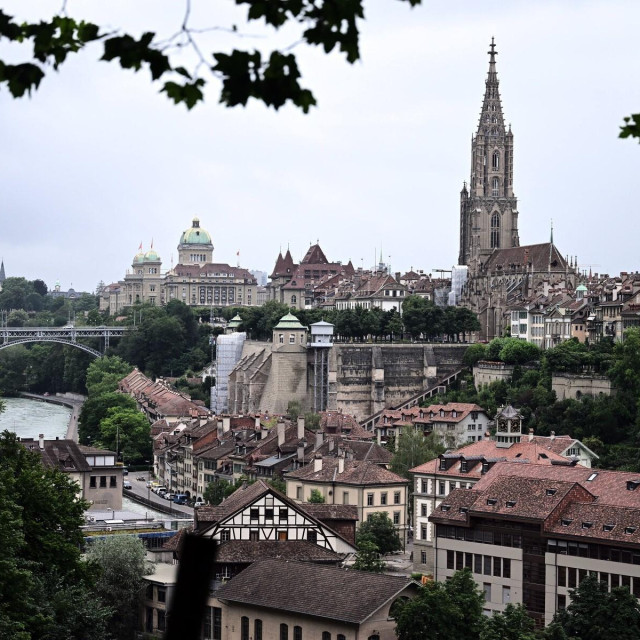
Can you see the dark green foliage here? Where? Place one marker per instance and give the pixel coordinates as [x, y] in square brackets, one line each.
[595, 613]
[380, 529]
[474, 353]
[514, 623]
[443, 610]
[273, 79]
[294, 409]
[316, 497]
[631, 127]
[368, 555]
[46, 591]
[128, 432]
[218, 490]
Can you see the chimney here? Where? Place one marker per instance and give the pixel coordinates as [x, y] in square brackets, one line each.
[317, 463]
[340, 464]
[319, 439]
[332, 444]
[530, 435]
[257, 422]
[41, 440]
[553, 436]
[280, 429]
[301, 447]
[300, 427]
[226, 424]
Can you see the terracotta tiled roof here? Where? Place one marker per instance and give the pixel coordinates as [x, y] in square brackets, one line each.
[326, 512]
[314, 255]
[320, 591]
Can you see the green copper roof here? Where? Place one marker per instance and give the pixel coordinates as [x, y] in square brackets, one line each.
[581, 288]
[236, 321]
[151, 256]
[139, 257]
[289, 322]
[195, 235]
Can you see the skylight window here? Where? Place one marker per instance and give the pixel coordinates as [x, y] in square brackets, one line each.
[587, 525]
[551, 492]
[592, 477]
[511, 503]
[608, 527]
[630, 530]
[445, 507]
[566, 522]
[492, 501]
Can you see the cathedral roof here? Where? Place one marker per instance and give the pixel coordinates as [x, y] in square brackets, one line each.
[284, 266]
[539, 256]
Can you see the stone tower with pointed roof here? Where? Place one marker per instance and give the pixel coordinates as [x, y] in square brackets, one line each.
[488, 207]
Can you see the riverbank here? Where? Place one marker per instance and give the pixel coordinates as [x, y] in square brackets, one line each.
[72, 400]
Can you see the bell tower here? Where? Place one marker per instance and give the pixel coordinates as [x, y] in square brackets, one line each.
[488, 207]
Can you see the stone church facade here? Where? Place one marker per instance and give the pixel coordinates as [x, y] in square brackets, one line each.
[501, 272]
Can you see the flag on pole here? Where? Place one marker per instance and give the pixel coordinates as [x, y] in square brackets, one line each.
[140, 247]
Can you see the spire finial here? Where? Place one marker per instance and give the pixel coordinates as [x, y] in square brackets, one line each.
[551, 230]
[493, 53]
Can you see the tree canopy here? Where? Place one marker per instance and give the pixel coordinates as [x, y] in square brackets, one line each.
[379, 529]
[272, 77]
[413, 449]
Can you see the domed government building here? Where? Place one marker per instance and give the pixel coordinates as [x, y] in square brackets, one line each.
[196, 280]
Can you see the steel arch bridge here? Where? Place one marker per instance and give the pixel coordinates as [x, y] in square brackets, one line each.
[10, 336]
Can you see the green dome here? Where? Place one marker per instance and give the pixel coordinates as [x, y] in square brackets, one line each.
[151, 256]
[139, 257]
[581, 288]
[195, 235]
[289, 322]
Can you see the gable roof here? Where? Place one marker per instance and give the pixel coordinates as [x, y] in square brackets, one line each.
[355, 472]
[320, 591]
[538, 255]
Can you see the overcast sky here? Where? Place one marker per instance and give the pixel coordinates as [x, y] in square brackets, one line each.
[97, 162]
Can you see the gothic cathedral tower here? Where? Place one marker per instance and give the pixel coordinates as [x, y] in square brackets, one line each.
[488, 208]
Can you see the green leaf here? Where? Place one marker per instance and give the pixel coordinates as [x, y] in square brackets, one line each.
[21, 78]
[632, 127]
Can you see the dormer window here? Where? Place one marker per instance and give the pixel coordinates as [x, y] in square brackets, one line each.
[587, 525]
[608, 527]
[511, 504]
[566, 522]
[632, 485]
[464, 509]
[443, 464]
[551, 492]
[629, 530]
[454, 414]
[464, 466]
[485, 467]
[492, 502]
[445, 507]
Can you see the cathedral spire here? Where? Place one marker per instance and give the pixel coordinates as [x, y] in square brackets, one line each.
[491, 118]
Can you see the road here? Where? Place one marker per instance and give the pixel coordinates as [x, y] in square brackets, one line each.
[146, 496]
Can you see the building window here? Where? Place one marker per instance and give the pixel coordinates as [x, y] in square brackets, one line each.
[369, 499]
[396, 497]
[225, 535]
[297, 633]
[103, 482]
[312, 536]
[442, 488]
[495, 230]
[244, 628]
[506, 567]
[213, 624]
[486, 587]
[92, 482]
[162, 594]
[423, 509]
[253, 513]
[281, 338]
[506, 595]
[423, 557]
[383, 498]
[292, 338]
[298, 493]
[495, 162]
[423, 532]
[450, 559]
[284, 632]
[326, 635]
[396, 517]
[345, 497]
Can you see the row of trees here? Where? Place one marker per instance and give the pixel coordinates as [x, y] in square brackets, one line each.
[421, 319]
[454, 609]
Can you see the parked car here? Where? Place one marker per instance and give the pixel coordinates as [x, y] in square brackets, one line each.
[141, 478]
[180, 498]
[168, 496]
[198, 503]
[127, 485]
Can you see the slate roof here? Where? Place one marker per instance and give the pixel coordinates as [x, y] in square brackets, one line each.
[326, 512]
[64, 455]
[534, 254]
[241, 551]
[320, 591]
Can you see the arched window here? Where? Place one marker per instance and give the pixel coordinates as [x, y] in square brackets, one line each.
[257, 629]
[326, 635]
[284, 631]
[496, 160]
[294, 299]
[244, 628]
[495, 231]
[495, 187]
[297, 633]
[340, 636]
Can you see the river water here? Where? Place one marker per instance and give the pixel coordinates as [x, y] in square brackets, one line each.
[30, 418]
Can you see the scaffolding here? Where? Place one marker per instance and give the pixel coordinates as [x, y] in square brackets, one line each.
[228, 354]
[459, 275]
